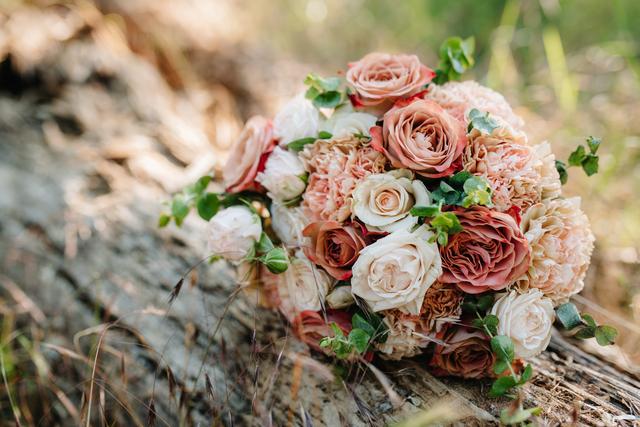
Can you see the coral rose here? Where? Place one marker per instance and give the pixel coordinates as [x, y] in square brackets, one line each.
[458, 98]
[490, 252]
[561, 244]
[381, 78]
[527, 319]
[463, 353]
[334, 246]
[396, 271]
[421, 136]
[248, 155]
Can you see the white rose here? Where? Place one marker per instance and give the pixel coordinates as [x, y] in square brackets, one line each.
[233, 232]
[383, 201]
[288, 224]
[397, 270]
[345, 123]
[283, 175]
[526, 319]
[297, 119]
[307, 286]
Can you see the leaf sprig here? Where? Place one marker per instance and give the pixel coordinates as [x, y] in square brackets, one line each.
[298, 144]
[324, 92]
[441, 223]
[463, 189]
[588, 161]
[481, 121]
[584, 325]
[207, 204]
[456, 57]
[363, 332]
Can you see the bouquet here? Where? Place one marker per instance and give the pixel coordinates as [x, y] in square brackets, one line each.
[393, 210]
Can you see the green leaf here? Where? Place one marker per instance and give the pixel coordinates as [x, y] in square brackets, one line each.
[594, 144]
[501, 386]
[503, 348]
[481, 121]
[208, 205]
[199, 186]
[324, 135]
[568, 315]
[585, 333]
[179, 209]
[561, 167]
[164, 220]
[298, 144]
[425, 211]
[606, 335]
[485, 302]
[491, 323]
[360, 339]
[578, 155]
[328, 99]
[264, 244]
[456, 57]
[311, 93]
[359, 322]
[460, 178]
[590, 164]
[500, 366]
[526, 375]
[589, 320]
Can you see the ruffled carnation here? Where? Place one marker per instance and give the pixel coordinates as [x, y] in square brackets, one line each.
[561, 245]
[442, 304]
[404, 339]
[335, 168]
[421, 136]
[249, 155]
[458, 98]
[490, 252]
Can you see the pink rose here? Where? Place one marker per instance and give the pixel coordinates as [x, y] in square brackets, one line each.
[382, 78]
[490, 252]
[421, 136]
[249, 155]
[464, 353]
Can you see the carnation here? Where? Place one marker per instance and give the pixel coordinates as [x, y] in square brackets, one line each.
[384, 201]
[396, 271]
[248, 155]
[283, 175]
[458, 98]
[233, 232]
[335, 168]
[442, 304]
[297, 119]
[404, 339]
[561, 245]
[527, 319]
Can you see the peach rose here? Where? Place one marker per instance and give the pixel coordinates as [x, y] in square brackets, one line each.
[421, 136]
[490, 252]
[334, 246]
[249, 155]
[381, 78]
[464, 353]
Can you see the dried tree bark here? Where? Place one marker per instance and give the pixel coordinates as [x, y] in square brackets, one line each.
[92, 140]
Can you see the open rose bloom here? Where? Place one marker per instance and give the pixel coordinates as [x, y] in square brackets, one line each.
[379, 219]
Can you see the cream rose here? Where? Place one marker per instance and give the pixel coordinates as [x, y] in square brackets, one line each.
[383, 201]
[561, 244]
[288, 224]
[346, 123]
[526, 319]
[307, 286]
[283, 176]
[297, 119]
[396, 271]
[233, 232]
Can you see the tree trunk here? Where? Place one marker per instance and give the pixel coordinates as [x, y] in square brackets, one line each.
[92, 142]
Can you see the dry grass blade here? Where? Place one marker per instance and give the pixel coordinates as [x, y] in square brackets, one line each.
[176, 290]
[14, 409]
[151, 418]
[441, 412]
[209, 386]
[171, 379]
[394, 397]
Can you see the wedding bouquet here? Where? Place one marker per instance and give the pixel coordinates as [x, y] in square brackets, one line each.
[394, 210]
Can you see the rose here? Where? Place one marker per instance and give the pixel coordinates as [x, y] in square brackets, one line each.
[233, 232]
[382, 78]
[297, 119]
[396, 271]
[340, 297]
[345, 123]
[248, 155]
[463, 354]
[384, 201]
[421, 136]
[458, 98]
[288, 223]
[526, 319]
[307, 286]
[283, 175]
[311, 327]
[334, 246]
[490, 252]
[561, 245]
